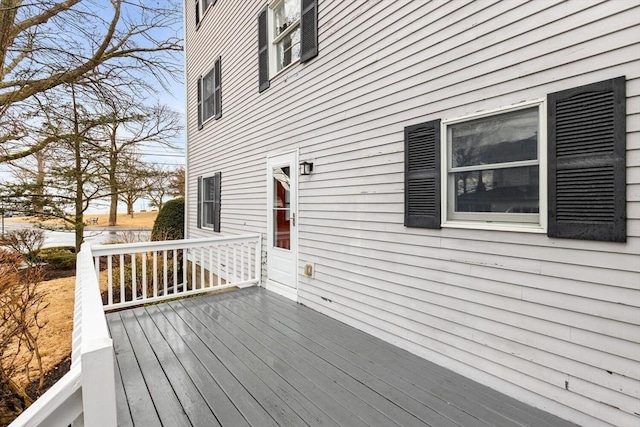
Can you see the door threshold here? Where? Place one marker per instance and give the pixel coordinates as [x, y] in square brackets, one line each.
[280, 289]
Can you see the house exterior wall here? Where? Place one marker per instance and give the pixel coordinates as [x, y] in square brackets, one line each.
[552, 322]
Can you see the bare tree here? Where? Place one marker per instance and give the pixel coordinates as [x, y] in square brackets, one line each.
[40, 49]
[177, 182]
[72, 177]
[158, 186]
[131, 128]
[21, 303]
[132, 182]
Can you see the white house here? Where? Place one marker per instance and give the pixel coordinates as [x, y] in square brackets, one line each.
[472, 182]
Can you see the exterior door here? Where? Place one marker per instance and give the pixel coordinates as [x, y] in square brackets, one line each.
[282, 236]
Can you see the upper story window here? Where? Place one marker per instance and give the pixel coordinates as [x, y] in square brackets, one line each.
[201, 8]
[210, 94]
[287, 33]
[493, 167]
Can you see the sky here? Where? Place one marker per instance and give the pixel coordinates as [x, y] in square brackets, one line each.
[174, 97]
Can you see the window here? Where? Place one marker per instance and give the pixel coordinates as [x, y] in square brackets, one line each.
[210, 95]
[493, 167]
[287, 33]
[201, 8]
[209, 201]
[557, 164]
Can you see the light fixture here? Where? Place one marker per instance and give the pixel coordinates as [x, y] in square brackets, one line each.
[306, 168]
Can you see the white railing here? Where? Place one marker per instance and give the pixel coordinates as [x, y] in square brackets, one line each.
[132, 274]
[140, 273]
[86, 394]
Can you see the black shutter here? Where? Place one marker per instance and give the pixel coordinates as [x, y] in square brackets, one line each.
[422, 175]
[587, 165]
[263, 51]
[217, 90]
[200, 103]
[199, 208]
[217, 182]
[309, 30]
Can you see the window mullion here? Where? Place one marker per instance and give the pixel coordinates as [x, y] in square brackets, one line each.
[491, 166]
[286, 32]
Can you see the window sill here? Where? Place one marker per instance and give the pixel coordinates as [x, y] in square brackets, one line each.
[281, 72]
[496, 226]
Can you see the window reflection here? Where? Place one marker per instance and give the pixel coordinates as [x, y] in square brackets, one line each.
[512, 190]
[281, 208]
[508, 137]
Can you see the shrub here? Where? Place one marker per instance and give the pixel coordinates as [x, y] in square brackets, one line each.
[169, 224]
[59, 258]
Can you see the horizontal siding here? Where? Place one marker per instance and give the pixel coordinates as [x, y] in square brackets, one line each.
[553, 322]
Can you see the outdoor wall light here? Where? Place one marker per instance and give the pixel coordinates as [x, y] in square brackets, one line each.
[306, 168]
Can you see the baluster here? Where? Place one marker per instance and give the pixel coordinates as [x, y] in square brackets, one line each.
[226, 263]
[194, 256]
[218, 250]
[210, 267]
[201, 269]
[185, 252]
[175, 270]
[144, 276]
[164, 271]
[242, 259]
[235, 263]
[155, 274]
[122, 294]
[110, 279]
[134, 284]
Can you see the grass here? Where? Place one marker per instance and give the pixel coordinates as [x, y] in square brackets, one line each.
[139, 219]
[55, 338]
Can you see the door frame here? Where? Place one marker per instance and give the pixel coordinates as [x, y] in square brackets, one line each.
[286, 291]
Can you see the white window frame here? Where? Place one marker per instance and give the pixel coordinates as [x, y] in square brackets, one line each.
[203, 218]
[491, 221]
[212, 73]
[201, 10]
[273, 63]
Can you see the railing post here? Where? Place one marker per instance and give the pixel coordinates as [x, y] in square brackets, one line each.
[96, 349]
[258, 260]
[98, 386]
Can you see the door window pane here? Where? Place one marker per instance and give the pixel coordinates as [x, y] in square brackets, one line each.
[281, 208]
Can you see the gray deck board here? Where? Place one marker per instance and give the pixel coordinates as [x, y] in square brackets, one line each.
[251, 357]
[481, 401]
[137, 395]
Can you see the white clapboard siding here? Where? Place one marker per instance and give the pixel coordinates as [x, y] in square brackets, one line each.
[552, 322]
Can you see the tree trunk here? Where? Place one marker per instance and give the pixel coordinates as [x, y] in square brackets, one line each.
[113, 183]
[38, 201]
[113, 210]
[77, 151]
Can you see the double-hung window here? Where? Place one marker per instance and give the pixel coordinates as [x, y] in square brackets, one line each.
[284, 33]
[210, 94]
[287, 33]
[555, 165]
[493, 164]
[201, 8]
[209, 200]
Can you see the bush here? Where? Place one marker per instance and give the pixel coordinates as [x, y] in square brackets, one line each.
[59, 258]
[169, 224]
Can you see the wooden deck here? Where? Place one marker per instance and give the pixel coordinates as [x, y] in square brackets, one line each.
[253, 358]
